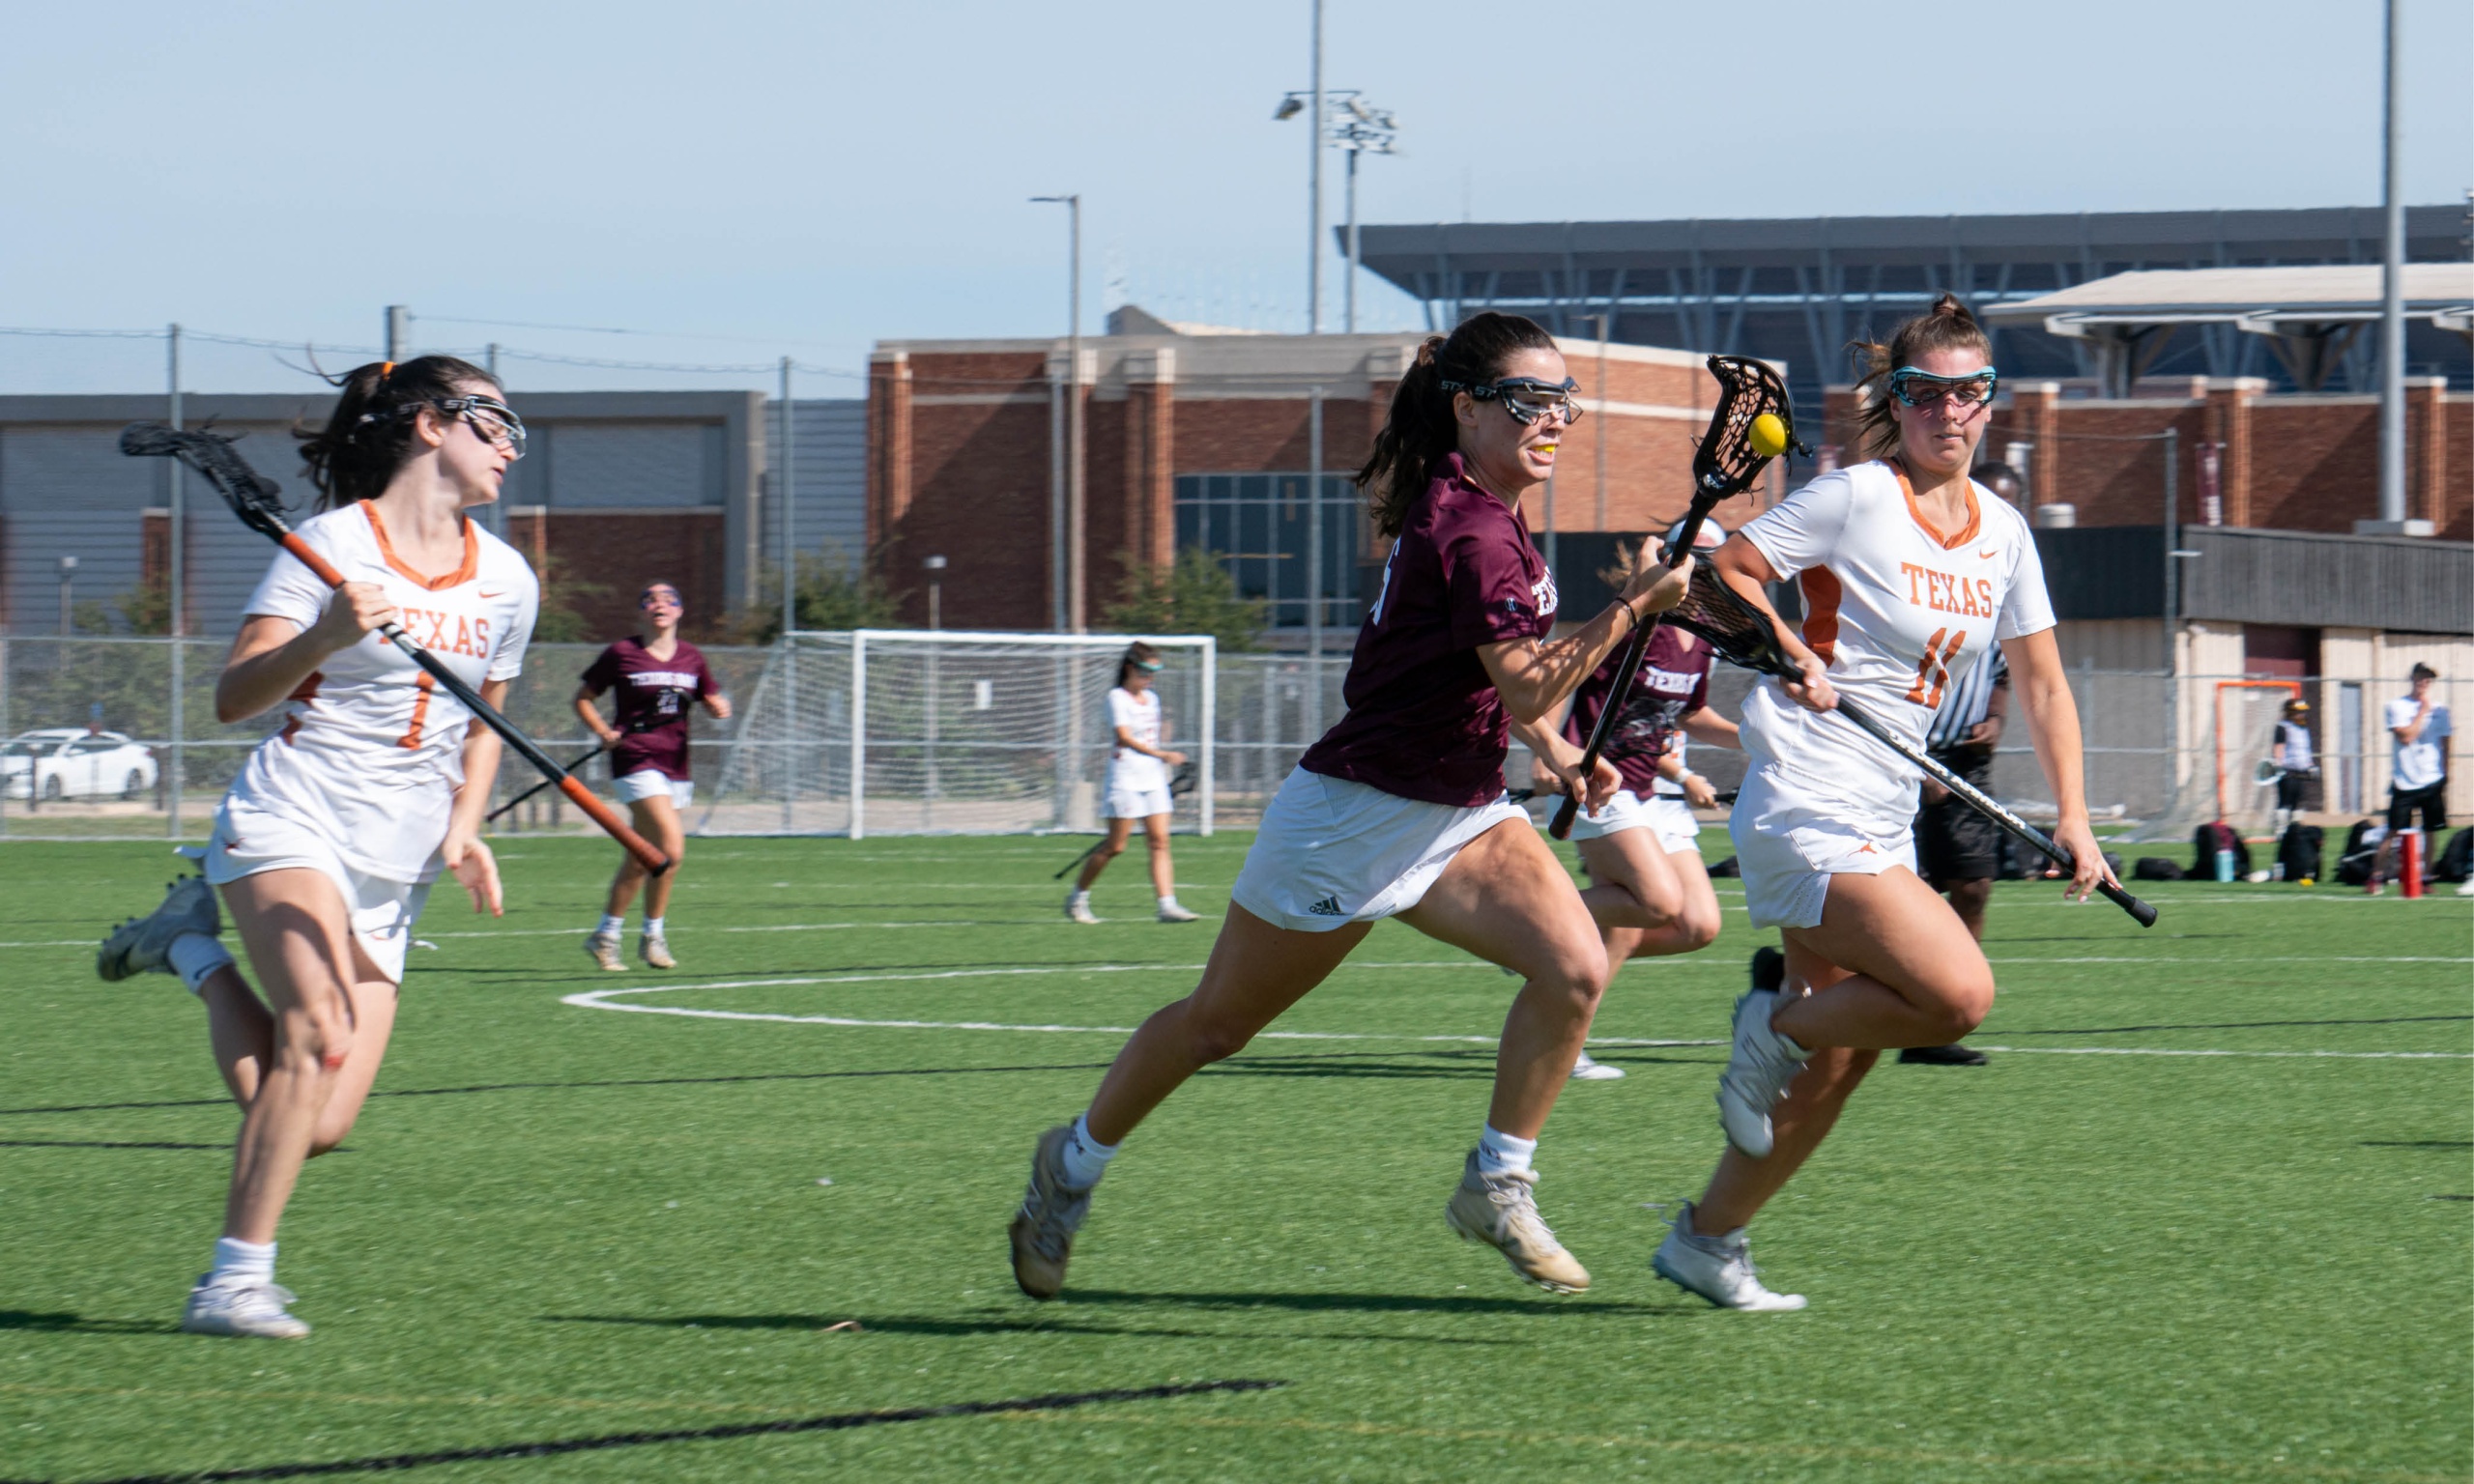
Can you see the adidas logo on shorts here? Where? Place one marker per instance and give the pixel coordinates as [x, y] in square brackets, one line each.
[1329, 906]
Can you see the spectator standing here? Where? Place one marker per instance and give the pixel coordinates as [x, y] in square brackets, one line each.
[2297, 765]
[2418, 764]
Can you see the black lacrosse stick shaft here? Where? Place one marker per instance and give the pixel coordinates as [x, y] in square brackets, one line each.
[548, 782]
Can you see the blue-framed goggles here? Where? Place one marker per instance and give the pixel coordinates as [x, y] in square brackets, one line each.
[1526, 397]
[1915, 388]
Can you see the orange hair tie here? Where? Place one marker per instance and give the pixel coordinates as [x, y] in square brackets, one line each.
[385, 369]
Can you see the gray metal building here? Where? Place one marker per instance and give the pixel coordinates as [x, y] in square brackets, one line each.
[1799, 290]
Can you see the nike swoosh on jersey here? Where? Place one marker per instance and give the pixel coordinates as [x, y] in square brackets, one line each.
[486, 593]
[1981, 556]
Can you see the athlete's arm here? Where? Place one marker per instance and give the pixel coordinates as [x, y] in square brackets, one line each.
[1533, 676]
[717, 703]
[590, 712]
[464, 853]
[1741, 565]
[272, 656]
[1562, 760]
[2053, 722]
[1703, 725]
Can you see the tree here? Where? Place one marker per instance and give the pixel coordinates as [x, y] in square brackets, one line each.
[835, 594]
[560, 621]
[1194, 595]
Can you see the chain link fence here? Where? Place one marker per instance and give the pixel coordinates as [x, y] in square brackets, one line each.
[992, 734]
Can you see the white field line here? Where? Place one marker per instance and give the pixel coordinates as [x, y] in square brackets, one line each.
[604, 999]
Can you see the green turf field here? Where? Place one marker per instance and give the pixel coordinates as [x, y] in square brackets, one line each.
[559, 1224]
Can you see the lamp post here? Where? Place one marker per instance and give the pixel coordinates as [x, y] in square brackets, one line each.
[1065, 503]
[68, 582]
[936, 569]
[1355, 127]
[2393, 520]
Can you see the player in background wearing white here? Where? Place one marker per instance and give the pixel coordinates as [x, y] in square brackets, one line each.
[328, 843]
[1908, 571]
[1649, 892]
[1137, 788]
[654, 679]
[2298, 766]
[2418, 763]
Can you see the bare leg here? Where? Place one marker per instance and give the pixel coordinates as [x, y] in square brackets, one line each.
[1968, 898]
[1256, 972]
[240, 1030]
[1915, 978]
[1658, 903]
[1109, 850]
[1507, 899]
[1743, 1185]
[1163, 873]
[656, 821]
[295, 928]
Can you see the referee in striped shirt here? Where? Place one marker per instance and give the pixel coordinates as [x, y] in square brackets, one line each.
[1959, 850]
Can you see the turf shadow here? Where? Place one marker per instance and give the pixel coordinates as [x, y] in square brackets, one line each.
[55, 1323]
[2417, 1143]
[101, 1144]
[1378, 1304]
[836, 1423]
[2237, 1025]
[919, 1325]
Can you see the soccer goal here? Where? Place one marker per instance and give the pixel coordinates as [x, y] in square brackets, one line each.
[2219, 774]
[897, 731]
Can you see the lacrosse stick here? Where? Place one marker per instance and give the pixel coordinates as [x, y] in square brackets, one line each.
[1524, 795]
[1745, 638]
[255, 500]
[1724, 466]
[1182, 782]
[646, 724]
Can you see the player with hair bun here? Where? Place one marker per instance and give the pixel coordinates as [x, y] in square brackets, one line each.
[1908, 571]
[326, 846]
[655, 679]
[1137, 788]
[1649, 892]
[1399, 810]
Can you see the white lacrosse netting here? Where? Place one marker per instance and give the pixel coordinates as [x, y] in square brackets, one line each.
[2223, 781]
[883, 731]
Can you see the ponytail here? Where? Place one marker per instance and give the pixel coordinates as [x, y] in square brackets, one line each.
[1420, 429]
[1946, 326]
[370, 434]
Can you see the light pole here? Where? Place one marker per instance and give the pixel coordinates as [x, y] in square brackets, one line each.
[1358, 129]
[1066, 506]
[2392, 519]
[68, 582]
[936, 569]
[1606, 324]
[1345, 120]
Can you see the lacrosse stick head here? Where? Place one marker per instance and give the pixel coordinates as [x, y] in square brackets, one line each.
[1727, 463]
[1736, 633]
[255, 499]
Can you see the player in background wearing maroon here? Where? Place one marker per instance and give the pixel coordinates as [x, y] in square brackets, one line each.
[1399, 810]
[655, 679]
[1647, 890]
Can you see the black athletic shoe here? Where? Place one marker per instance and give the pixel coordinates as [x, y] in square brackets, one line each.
[1768, 969]
[1941, 1056]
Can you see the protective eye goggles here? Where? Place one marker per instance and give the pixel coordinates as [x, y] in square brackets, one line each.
[1526, 397]
[664, 597]
[493, 419]
[1922, 388]
[1148, 667]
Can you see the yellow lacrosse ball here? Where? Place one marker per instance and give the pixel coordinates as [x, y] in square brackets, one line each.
[1768, 436]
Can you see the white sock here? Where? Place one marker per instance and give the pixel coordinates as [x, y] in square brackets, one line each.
[652, 927]
[1168, 901]
[1078, 895]
[611, 926]
[237, 1261]
[1499, 1154]
[194, 957]
[1087, 1159]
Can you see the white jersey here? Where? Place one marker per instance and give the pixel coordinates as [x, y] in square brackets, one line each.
[2422, 762]
[1140, 717]
[1896, 609]
[371, 751]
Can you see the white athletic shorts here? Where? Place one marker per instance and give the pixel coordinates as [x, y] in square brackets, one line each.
[1136, 803]
[654, 784]
[1789, 843]
[1332, 851]
[248, 840]
[1672, 820]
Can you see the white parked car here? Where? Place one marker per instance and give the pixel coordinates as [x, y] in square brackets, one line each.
[70, 762]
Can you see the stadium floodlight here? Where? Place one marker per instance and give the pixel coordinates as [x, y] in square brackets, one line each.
[1066, 465]
[1289, 107]
[1354, 126]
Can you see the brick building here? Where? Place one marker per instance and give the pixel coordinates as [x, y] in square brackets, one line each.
[1201, 438]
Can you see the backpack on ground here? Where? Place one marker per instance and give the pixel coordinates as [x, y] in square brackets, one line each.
[2156, 867]
[2361, 855]
[2456, 861]
[2300, 850]
[2212, 837]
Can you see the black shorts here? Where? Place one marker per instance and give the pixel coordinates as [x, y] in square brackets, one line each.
[1953, 843]
[2298, 791]
[2431, 802]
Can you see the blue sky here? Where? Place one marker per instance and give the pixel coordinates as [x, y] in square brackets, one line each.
[810, 178]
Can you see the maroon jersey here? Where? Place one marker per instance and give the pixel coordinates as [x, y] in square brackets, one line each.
[653, 701]
[1424, 720]
[1673, 683]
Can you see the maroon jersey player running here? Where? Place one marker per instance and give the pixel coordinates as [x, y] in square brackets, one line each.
[656, 680]
[1400, 810]
[1642, 849]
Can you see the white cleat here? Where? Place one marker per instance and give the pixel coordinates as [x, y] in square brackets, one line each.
[1719, 1268]
[604, 951]
[656, 952]
[1758, 1072]
[253, 1310]
[1171, 912]
[1587, 1070]
[1077, 908]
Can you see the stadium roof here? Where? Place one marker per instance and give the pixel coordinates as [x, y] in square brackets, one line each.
[2310, 314]
[1796, 289]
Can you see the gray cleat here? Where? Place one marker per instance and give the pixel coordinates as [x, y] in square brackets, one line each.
[143, 945]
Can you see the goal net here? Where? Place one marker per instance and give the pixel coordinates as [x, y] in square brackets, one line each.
[2219, 774]
[882, 731]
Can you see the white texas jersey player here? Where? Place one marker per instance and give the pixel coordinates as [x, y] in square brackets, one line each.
[1897, 609]
[1140, 718]
[371, 749]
